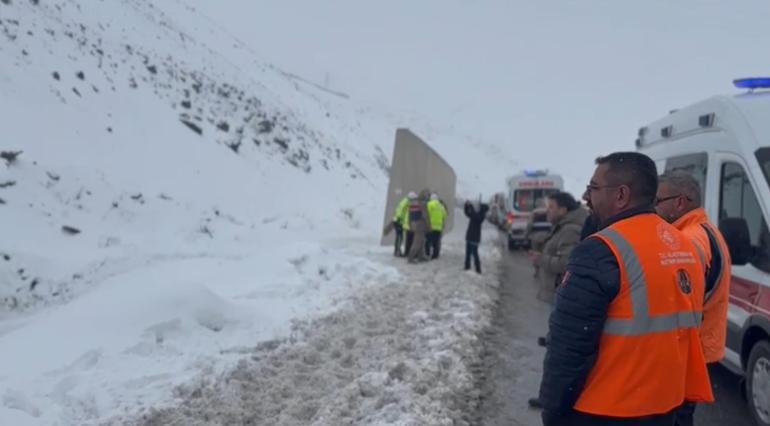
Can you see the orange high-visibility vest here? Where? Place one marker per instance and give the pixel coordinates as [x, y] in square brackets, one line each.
[650, 358]
[713, 331]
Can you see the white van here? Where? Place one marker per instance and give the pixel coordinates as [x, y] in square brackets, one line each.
[724, 142]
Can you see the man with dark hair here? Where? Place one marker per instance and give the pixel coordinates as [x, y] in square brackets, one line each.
[567, 217]
[623, 341]
[564, 200]
[679, 203]
[631, 175]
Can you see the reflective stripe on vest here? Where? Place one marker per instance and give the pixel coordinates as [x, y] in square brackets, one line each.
[701, 255]
[722, 258]
[641, 321]
[714, 329]
[649, 357]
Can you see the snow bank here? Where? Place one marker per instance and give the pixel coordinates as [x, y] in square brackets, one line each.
[405, 353]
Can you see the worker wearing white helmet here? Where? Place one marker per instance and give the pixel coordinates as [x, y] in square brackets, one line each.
[437, 214]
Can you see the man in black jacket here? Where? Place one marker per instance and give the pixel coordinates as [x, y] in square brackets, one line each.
[623, 186]
[473, 234]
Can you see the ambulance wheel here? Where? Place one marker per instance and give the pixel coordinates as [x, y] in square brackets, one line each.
[758, 382]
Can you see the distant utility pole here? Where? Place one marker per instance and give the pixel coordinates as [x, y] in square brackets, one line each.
[327, 78]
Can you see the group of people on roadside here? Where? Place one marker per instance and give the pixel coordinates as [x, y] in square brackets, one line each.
[639, 287]
[419, 221]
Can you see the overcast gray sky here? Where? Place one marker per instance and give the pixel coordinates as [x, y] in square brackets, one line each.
[556, 83]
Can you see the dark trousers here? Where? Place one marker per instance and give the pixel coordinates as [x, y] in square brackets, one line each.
[433, 244]
[399, 239]
[409, 240]
[472, 250]
[581, 419]
[685, 415]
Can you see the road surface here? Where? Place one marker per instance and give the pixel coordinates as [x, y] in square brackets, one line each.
[514, 361]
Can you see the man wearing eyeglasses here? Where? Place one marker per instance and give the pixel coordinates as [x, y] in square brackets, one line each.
[679, 202]
[624, 347]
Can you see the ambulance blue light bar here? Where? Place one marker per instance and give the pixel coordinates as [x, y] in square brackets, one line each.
[752, 83]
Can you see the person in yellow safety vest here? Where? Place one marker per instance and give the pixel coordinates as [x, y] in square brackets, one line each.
[437, 215]
[400, 217]
[678, 202]
[624, 336]
[406, 225]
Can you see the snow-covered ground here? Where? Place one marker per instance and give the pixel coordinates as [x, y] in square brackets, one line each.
[344, 334]
[405, 352]
[150, 324]
[177, 201]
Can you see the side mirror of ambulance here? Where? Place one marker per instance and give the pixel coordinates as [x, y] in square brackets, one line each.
[736, 233]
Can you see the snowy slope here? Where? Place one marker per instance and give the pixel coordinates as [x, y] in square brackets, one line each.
[106, 102]
[174, 198]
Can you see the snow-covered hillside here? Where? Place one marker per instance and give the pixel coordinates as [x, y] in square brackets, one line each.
[148, 122]
[173, 197]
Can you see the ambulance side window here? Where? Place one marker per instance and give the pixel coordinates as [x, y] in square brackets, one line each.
[738, 200]
[692, 164]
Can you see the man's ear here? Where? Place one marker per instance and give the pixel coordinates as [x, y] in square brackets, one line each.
[624, 195]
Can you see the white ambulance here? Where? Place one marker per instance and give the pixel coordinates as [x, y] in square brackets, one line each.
[724, 142]
[525, 192]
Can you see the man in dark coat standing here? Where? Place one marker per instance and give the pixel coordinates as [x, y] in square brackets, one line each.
[473, 234]
[622, 191]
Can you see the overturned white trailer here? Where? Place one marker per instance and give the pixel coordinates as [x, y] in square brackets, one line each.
[417, 166]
